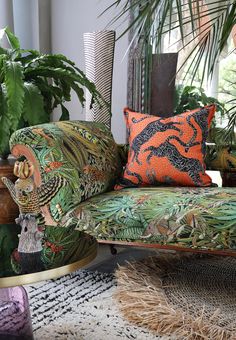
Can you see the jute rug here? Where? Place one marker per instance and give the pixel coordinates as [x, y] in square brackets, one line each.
[188, 297]
[80, 306]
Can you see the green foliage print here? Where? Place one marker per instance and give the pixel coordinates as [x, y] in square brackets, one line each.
[63, 246]
[201, 218]
[83, 153]
[8, 242]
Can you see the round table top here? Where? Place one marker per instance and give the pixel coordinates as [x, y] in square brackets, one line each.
[64, 251]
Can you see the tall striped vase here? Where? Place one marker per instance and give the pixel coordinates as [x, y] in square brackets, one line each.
[99, 56]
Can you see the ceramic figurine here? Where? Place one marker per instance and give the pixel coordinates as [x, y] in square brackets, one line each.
[30, 244]
[24, 192]
[30, 199]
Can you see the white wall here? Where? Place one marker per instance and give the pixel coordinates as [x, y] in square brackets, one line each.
[69, 20]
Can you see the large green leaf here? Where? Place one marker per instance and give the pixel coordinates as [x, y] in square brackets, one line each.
[74, 79]
[59, 63]
[3, 58]
[15, 91]
[65, 113]
[12, 39]
[33, 111]
[32, 84]
[5, 124]
[66, 89]
[3, 51]
[59, 73]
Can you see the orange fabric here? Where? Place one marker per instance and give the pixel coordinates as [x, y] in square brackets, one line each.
[167, 150]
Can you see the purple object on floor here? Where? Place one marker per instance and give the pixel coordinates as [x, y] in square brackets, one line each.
[15, 320]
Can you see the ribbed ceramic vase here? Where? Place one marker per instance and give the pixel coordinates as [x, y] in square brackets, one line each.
[99, 56]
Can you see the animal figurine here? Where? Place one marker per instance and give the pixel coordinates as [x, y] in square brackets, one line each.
[30, 244]
[24, 192]
[30, 199]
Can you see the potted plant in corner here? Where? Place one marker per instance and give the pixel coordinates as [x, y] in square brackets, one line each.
[32, 85]
[201, 31]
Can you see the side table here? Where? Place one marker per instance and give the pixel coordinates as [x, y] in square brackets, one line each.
[64, 251]
[8, 208]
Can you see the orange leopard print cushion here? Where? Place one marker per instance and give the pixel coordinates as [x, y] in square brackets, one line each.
[167, 150]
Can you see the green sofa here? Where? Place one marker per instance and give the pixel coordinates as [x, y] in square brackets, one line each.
[85, 154]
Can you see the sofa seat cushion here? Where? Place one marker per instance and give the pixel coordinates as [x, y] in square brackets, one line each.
[202, 218]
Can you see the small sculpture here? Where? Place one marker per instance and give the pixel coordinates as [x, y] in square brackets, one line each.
[30, 199]
[24, 192]
[30, 244]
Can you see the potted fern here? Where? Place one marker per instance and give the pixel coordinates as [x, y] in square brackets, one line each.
[32, 85]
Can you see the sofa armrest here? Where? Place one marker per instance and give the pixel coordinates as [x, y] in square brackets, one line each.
[83, 153]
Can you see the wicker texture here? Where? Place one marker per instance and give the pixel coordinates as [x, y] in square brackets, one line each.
[185, 297]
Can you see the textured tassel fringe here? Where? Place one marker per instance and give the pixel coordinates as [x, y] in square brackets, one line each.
[142, 300]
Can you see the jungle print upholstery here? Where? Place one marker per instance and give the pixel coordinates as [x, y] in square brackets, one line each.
[198, 218]
[83, 153]
[167, 150]
[61, 247]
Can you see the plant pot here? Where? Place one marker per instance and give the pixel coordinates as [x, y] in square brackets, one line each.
[8, 208]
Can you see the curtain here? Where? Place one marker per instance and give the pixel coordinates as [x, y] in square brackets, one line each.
[6, 17]
[30, 21]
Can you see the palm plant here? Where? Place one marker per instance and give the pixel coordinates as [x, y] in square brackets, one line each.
[32, 85]
[192, 97]
[204, 26]
[227, 92]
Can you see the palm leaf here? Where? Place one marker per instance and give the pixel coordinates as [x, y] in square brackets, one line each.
[130, 233]
[155, 18]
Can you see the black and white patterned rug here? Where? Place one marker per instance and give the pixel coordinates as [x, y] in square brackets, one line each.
[79, 306]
